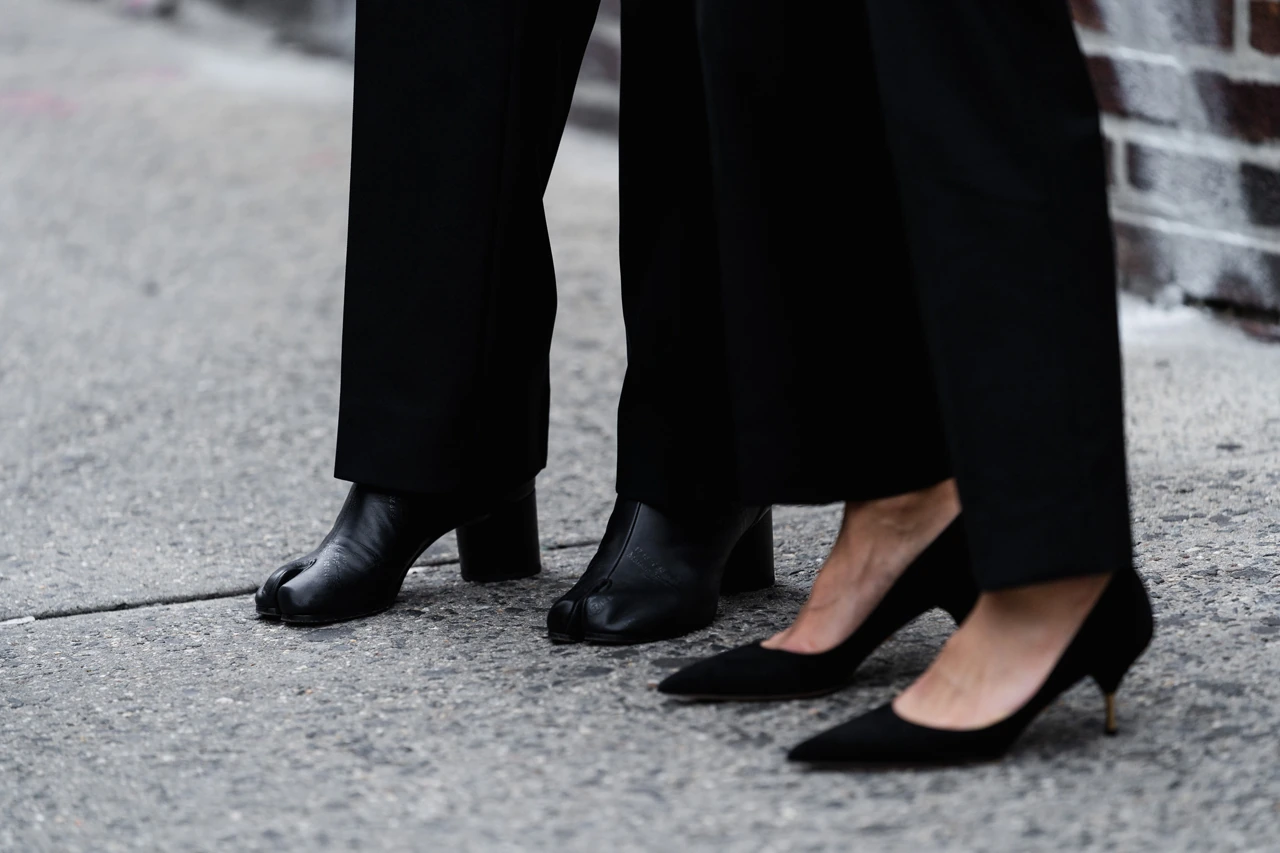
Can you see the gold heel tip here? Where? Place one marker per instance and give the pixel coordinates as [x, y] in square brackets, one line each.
[1111, 726]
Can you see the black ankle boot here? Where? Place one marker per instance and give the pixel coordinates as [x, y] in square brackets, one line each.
[359, 567]
[939, 577]
[658, 576]
[1116, 632]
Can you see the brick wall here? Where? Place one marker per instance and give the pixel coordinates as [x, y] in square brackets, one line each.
[1190, 91]
[595, 101]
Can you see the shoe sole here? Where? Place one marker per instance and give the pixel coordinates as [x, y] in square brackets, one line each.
[624, 640]
[615, 639]
[598, 640]
[306, 619]
[889, 767]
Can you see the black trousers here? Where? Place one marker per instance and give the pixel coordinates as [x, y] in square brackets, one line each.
[812, 316]
[450, 291]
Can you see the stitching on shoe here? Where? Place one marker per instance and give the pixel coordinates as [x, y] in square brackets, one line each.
[650, 567]
[626, 542]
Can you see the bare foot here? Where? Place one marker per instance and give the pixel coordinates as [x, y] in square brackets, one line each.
[1002, 654]
[878, 541]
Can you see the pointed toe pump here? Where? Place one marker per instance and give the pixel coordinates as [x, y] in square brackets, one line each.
[659, 575]
[939, 577]
[360, 566]
[1113, 636]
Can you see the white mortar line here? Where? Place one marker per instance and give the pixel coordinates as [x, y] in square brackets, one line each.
[1151, 19]
[1184, 229]
[1119, 160]
[1191, 142]
[1247, 66]
[1107, 46]
[1242, 28]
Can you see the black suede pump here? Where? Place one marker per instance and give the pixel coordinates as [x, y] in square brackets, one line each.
[939, 577]
[1116, 632]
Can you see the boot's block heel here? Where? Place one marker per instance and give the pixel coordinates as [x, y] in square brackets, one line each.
[502, 546]
[750, 565]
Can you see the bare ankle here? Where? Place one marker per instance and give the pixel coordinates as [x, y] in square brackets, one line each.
[921, 512]
[878, 540]
[1040, 601]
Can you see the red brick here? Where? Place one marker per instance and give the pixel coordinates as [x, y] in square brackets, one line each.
[1261, 188]
[1208, 191]
[1141, 260]
[1143, 164]
[1148, 262]
[1264, 26]
[1243, 109]
[1088, 15]
[1139, 90]
[1210, 23]
[1206, 22]
[603, 59]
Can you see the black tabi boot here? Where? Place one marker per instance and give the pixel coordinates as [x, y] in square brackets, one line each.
[359, 567]
[659, 575]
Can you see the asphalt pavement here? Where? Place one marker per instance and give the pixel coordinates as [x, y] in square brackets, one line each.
[172, 221]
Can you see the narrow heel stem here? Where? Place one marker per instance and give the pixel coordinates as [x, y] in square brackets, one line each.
[1111, 725]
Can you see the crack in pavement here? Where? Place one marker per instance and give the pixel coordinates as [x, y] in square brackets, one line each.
[169, 600]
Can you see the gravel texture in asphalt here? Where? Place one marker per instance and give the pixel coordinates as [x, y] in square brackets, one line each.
[172, 219]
